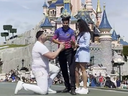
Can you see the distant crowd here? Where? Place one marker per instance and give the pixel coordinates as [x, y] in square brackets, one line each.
[93, 80]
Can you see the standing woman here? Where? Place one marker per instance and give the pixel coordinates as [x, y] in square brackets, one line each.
[82, 55]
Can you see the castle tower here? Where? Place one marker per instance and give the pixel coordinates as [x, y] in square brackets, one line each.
[52, 9]
[59, 7]
[46, 25]
[45, 7]
[76, 6]
[89, 5]
[105, 40]
[67, 6]
[98, 13]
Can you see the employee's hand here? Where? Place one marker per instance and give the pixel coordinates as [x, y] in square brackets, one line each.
[63, 43]
[61, 46]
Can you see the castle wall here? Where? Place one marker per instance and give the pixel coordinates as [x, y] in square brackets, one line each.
[106, 52]
[12, 57]
[95, 50]
[58, 11]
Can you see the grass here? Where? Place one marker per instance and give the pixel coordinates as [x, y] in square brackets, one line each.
[12, 46]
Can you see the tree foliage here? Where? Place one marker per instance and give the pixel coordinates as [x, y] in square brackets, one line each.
[125, 50]
[4, 34]
[7, 27]
[13, 31]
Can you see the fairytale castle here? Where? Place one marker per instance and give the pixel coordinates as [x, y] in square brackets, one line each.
[106, 46]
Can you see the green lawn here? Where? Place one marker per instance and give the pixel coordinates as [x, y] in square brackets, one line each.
[11, 46]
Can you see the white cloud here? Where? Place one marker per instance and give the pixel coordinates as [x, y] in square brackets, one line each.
[25, 7]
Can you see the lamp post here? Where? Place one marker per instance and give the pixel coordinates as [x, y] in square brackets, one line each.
[119, 72]
[17, 67]
[1, 63]
[113, 71]
[91, 61]
[22, 62]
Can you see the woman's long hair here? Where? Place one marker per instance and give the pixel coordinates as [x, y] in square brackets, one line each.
[83, 26]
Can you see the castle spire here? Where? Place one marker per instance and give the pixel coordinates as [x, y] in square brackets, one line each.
[45, 4]
[45, 7]
[104, 25]
[114, 36]
[89, 5]
[98, 10]
[46, 23]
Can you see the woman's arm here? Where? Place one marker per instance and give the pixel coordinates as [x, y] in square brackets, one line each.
[86, 42]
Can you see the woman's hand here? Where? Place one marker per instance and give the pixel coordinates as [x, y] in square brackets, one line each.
[74, 45]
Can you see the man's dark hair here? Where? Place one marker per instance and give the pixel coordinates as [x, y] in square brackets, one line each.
[65, 18]
[38, 34]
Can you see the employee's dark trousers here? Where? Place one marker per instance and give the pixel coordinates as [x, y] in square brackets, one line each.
[66, 57]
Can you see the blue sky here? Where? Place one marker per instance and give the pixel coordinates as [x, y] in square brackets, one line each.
[25, 14]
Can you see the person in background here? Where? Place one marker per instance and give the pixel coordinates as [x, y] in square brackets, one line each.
[40, 65]
[82, 56]
[66, 57]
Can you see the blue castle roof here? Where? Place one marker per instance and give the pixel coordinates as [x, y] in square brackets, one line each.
[59, 2]
[104, 23]
[85, 16]
[53, 5]
[45, 5]
[46, 23]
[114, 36]
[123, 42]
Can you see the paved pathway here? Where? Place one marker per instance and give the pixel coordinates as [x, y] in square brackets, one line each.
[7, 89]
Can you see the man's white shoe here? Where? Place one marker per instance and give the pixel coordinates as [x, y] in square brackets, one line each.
[77, 89]
[50, 91]
[19, 86]
[83, 91]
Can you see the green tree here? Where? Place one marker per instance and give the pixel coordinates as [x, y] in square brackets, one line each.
[7, 27]
[4, 34]
[125, 52]
[13, 31]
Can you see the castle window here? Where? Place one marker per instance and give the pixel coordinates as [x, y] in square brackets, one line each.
[61, 10]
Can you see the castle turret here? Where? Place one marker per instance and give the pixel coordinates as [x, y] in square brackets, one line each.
[105, 40]
[76, 6]
[52, 9]
[46, 25]
[98, 13]
[67, 6]
[114, 36]
[59, 7]
[45, 7]
[89, 5]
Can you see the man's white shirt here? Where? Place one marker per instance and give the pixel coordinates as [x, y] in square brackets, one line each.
[39, 60]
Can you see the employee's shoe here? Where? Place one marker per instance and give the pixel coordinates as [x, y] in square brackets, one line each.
[66, 90]
[73, 91]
